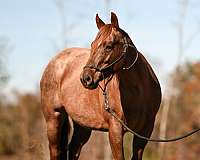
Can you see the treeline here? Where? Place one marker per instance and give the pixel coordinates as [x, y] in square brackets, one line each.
[22, 128]
[184, 113]
[183, 116]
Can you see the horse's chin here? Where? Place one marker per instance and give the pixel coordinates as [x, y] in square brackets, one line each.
[91, 87]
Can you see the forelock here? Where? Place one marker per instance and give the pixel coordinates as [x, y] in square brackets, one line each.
[103, 33]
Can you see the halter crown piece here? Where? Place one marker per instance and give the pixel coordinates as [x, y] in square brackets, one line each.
[125, 46]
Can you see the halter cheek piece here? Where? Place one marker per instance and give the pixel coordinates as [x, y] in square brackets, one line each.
[123, 55]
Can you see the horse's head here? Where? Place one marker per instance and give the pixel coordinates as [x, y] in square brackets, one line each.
[107, 53]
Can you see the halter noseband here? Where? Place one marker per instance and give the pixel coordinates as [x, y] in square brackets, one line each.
[125, 47]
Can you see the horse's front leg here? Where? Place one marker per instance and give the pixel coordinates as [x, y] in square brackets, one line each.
[116, 139]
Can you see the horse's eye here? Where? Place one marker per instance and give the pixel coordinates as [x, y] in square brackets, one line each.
[109, 47]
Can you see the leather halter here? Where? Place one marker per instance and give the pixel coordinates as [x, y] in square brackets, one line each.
[123, 55]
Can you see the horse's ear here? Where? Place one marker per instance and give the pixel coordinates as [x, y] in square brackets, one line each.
[99, 22]
[114, 20]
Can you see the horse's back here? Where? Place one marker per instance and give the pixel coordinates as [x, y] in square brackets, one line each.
[66, 61]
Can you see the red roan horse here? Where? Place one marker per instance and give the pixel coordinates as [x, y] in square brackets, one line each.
[73, 107]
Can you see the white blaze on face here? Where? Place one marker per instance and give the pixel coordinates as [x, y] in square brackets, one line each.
[98, 44]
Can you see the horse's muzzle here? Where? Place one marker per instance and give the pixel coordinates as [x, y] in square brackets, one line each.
[90, 79]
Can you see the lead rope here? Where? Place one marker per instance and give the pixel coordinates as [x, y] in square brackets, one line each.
[109, 110]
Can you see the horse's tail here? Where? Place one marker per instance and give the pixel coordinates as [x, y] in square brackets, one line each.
[67, 130]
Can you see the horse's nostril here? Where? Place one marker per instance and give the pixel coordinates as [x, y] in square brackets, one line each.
[88, 79]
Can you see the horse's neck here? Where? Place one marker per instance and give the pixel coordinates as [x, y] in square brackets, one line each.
[129, 82]
[126, 80]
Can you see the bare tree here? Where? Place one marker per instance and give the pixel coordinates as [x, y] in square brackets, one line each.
[60, 4]
[67, 27]
[183, 44]
[4, 50]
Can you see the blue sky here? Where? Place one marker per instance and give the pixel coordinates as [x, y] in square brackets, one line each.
[34, 30]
